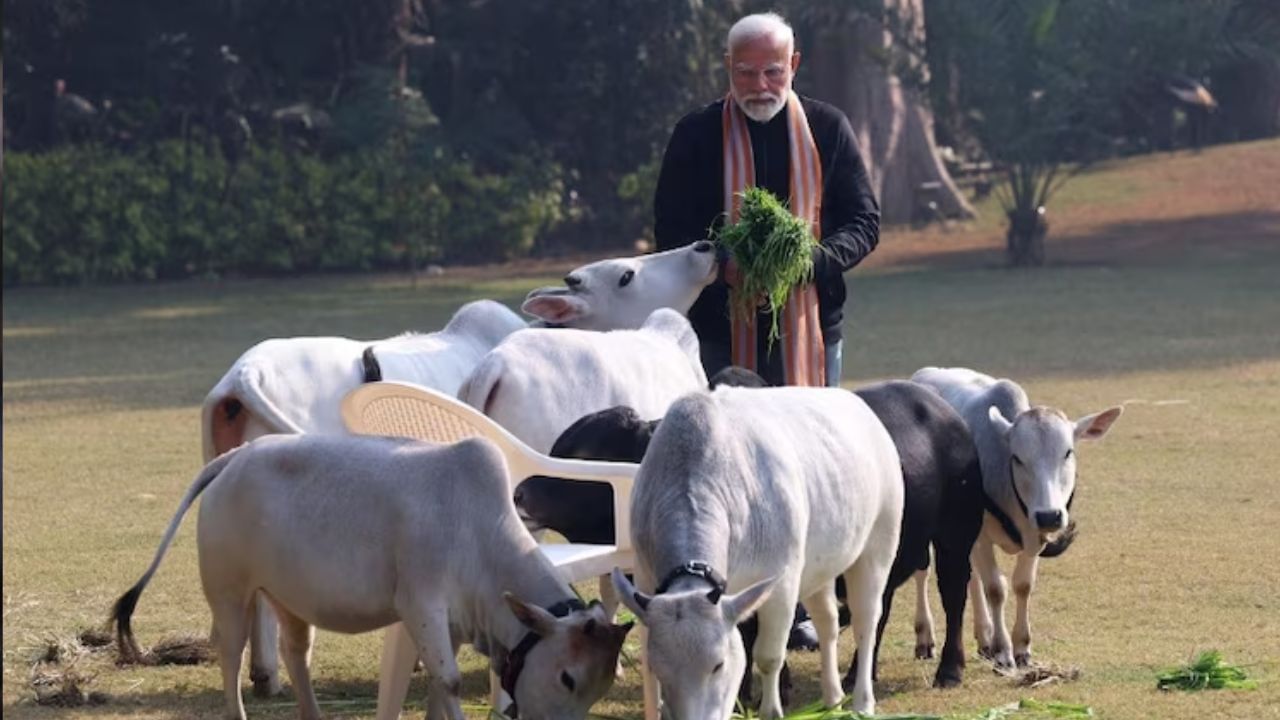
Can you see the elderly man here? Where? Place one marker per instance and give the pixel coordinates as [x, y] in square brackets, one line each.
[803, 151]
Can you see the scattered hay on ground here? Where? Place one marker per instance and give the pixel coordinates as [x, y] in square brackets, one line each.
[55, 678]
[1040, 675]
[94, 638]
[180, 649]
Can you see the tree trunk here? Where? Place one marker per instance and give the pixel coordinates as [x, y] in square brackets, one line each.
[1025, 238]
[1248, 95]
[894, 125]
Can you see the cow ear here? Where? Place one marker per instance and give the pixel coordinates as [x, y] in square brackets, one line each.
[999, 421]
[636, 601]
[1092, 427]
[531, 616]
[738, 607]
[555, 309]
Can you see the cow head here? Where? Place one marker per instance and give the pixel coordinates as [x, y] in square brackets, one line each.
[1042, 459]
[618, 294]
[572, 664]
[583, 511]
[694, 648]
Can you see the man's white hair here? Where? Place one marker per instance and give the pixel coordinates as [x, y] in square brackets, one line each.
[768, 24]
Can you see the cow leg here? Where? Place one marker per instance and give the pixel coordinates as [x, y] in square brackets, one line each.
[984, 564]
[428, 625]
[865, 583]
[924, 616]
[296, 641]
[231, 630]
[822, 609]
[264, 665]
[953, 578]
[398, 657]
[770, 649]
[1024, 581]
[438, 707]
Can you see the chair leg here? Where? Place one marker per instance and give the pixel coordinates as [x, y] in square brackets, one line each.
[652, 709]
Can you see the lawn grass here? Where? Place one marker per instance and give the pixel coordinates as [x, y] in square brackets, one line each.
[1177, 507]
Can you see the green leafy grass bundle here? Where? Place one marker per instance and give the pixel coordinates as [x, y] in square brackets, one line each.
[773, 250]
[1208, 672]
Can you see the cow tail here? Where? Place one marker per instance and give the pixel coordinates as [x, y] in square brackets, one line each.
[122, 611]
[480, 387]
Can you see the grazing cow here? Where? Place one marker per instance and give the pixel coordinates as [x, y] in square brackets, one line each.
[621, 293]
[942, 498]
[539, 381]
[782, 490]
[296, 385]
[1028, 464]
[291, 515]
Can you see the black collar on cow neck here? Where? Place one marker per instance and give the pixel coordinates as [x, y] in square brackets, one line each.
[1006, 523]
[699, 569]
[515, 658]
[372, 369]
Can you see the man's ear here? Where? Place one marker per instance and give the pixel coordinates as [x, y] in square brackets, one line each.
[795, 62]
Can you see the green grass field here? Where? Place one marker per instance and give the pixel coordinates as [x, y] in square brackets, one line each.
[1177, 506]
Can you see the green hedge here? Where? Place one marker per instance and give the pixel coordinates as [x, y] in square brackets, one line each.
[89, 214]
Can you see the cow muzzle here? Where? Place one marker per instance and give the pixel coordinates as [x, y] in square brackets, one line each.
[1050, 520]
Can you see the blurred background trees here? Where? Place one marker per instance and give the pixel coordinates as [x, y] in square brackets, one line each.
[146, 139]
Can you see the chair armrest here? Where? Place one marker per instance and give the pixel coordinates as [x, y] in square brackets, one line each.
[620, 475]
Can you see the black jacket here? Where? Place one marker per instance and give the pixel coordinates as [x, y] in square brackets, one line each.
[689, 205]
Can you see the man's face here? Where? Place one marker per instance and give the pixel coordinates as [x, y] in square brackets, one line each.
[760, 74]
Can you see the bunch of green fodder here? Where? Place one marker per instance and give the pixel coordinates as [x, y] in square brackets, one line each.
[773, 250]
[1207, 672]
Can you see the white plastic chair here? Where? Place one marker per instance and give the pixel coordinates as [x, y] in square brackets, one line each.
[407, 410]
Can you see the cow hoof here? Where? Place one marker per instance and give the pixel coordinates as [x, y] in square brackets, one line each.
[264, 685]
[1004, 663]
[804, 636]
[1022, 659]
[924, 651]
[947, 678]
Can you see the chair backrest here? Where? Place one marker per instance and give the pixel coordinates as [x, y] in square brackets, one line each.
[402, 409]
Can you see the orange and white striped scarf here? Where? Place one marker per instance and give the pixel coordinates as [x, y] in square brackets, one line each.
[803, 353]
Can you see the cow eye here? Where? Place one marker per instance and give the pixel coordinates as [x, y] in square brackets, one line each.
[625, 280]
[1070, 452]
[1017, 460]
[567, 680]
[719, 666]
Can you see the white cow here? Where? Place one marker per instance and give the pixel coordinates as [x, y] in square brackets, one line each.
[538, 382]
[296, 385]
[781, 490]
[291, 515]
[1028, 464]
[621, 293]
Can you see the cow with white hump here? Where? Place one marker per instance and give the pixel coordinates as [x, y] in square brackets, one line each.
[621, 293]
[291, 516]
[747, 500]
[1028, 460]
[296, 385]
[538, 382]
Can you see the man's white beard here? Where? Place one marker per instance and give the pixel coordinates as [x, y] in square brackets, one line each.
[761, 112]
